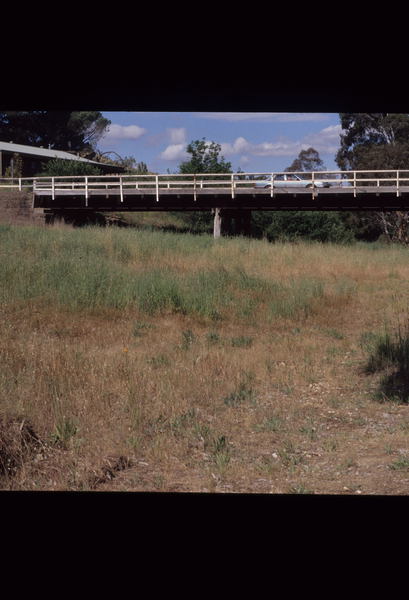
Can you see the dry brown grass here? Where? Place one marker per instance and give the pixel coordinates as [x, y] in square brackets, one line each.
[127, 401]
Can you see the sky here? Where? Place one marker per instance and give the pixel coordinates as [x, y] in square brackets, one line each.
[251, 142]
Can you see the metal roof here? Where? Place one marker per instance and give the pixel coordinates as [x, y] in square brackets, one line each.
[45, 152]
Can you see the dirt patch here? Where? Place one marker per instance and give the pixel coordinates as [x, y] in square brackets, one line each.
[112, 465]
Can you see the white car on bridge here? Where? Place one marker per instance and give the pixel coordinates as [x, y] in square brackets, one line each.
[289, 180]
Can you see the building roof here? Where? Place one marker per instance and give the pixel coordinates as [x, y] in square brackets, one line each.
[48, 153]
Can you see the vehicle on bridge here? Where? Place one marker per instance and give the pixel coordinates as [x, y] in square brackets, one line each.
[289, 180]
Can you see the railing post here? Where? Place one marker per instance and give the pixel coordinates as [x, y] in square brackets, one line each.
[157, 187]
[354, 184]
[397, 183]
[312, 183]
[86, 190]
[272, 185]
[52, 188]
[19, 183]
[121, 191]
[232, 185]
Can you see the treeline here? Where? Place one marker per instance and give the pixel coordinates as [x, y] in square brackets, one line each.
[321, 226]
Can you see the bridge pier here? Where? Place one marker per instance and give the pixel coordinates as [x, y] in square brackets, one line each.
[233, 222]
[217, 223]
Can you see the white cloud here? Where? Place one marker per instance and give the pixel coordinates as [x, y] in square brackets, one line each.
[177, 135]
[264, 117]
[174, 152]
[240, 145]
[280, 148]
[124, 132]
[325, 141]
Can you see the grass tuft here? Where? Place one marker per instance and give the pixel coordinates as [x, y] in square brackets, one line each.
[389, 353]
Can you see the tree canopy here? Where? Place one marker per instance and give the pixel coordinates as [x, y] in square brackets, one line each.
[373, 141]
[205, 158]
[377, 141]
[75, 131]
[307, 160]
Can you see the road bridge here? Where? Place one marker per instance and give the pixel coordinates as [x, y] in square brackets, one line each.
[381, 190]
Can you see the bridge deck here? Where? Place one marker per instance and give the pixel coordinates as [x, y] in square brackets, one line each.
[250, 198]
[346, 190]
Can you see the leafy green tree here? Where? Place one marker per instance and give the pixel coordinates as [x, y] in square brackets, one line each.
[373, 141]
[377, 141]
[205, 158]
[307, 160]
[75, 131]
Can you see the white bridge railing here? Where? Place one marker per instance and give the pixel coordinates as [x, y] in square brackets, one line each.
[228, 183]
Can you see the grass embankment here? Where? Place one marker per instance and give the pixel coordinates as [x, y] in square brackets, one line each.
[153, 361]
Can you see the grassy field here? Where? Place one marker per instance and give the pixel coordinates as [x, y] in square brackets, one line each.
[151, 361]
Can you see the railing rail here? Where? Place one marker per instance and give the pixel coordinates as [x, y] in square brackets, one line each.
[229, 183]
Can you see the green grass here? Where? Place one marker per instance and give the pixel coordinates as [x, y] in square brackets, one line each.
[90, 269]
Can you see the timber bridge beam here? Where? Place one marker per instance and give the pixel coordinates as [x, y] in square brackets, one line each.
[223, 193]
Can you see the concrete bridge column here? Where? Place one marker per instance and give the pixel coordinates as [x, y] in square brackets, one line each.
[217, 223]
[231, 222]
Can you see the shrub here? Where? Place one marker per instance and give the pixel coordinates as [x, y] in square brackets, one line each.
[59, 167]
[295, 225]
[389, 352]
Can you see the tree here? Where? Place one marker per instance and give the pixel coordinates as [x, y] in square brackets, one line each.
[377, 141]
[307, 160]
[75, 131]
[373, 141]
[205, 158]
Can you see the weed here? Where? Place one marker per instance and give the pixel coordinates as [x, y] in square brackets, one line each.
[290, 456]
[161, 360]
[330, 445]
[273, 423]
[334, 333]
[204, 433]
[300, 489]
[221, 452]
[244, 392]
[242, 341]
[310, 432]
[188, 337]
[400, 464]
[180, 423]
[140, 328]
[405, 427]
[213, 338]
[64, 430]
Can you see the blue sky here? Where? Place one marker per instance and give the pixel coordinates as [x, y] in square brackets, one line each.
[253, 142]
